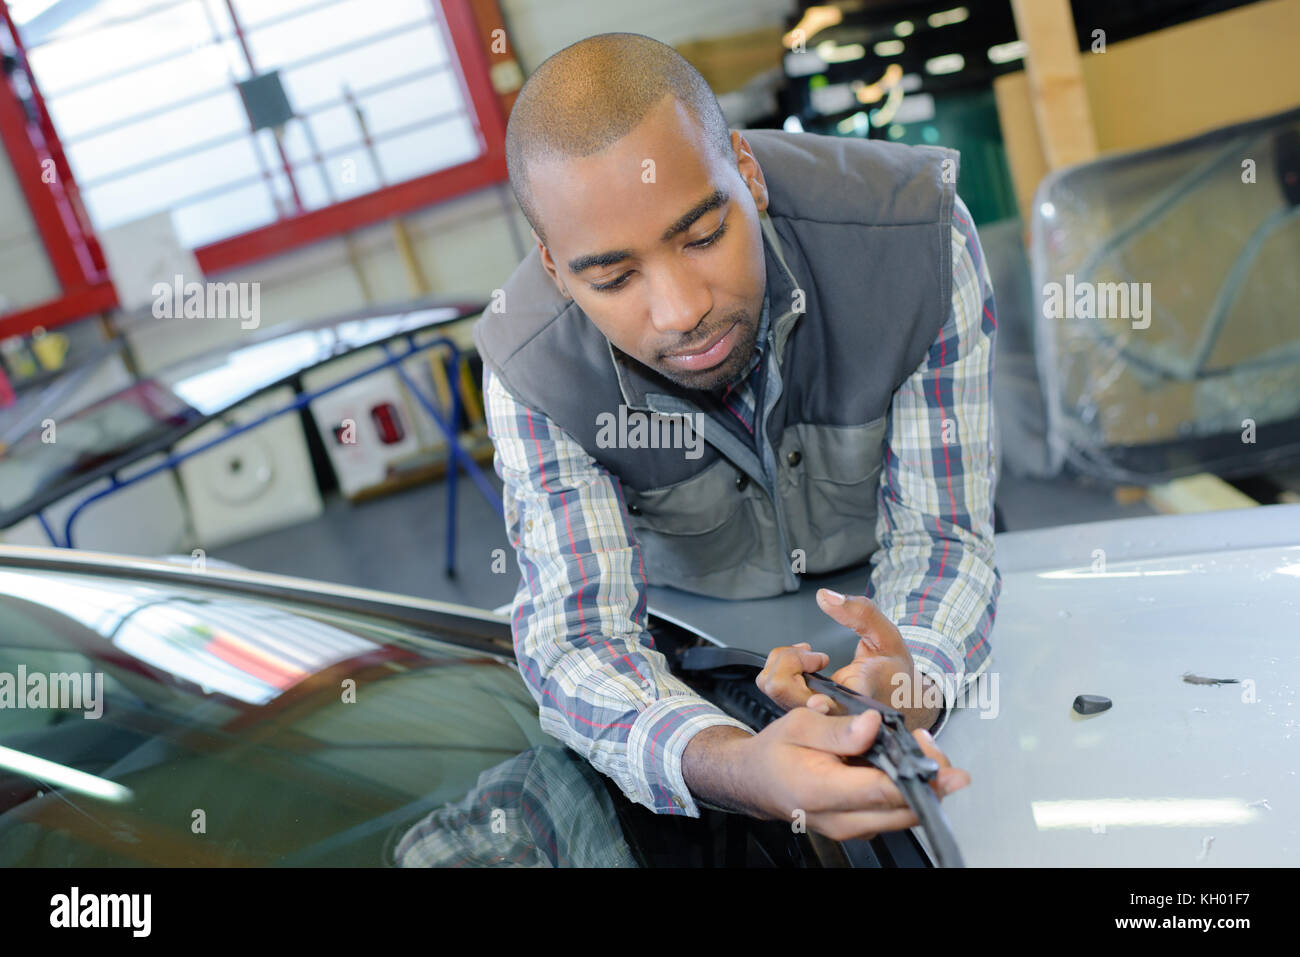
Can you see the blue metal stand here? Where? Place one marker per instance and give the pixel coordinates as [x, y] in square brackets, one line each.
[457, 457]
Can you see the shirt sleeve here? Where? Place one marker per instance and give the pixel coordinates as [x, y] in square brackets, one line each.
[934, 573]
[579, 615]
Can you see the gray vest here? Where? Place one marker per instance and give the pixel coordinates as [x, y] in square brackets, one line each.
[862, 229]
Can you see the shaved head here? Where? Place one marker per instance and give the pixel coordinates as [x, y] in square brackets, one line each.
[591, 94]
[645, 206]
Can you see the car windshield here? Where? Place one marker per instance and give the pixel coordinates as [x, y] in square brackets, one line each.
[232, 719]
[156, 723]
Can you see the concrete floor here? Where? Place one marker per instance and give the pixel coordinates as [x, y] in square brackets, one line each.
[396, 543]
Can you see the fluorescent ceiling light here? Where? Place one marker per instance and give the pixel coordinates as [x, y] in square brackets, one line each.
[831, 52]
[948, 63]
[58, 775]
[947, 17]
[1153, 812]
[1006, 52]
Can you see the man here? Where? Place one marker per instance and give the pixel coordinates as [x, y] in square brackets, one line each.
[718, 374]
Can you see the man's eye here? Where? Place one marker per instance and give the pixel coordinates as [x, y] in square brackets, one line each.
[611, 286]
[710, 240]
[622, 280]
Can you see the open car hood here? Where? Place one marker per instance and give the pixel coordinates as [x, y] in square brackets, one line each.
[1174, 773]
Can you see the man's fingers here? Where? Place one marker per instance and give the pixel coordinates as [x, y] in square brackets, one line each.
[822, 704]
[845, 826]
[835, 787]
[924, 739]
[867, 676]
[879, 635]
[949, 778]
[795, 659]
[782, 676]
[844, 735]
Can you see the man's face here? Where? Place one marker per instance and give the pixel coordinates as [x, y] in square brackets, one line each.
[658, 240]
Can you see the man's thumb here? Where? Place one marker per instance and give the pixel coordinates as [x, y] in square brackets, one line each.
[853, 611]
[849, 736]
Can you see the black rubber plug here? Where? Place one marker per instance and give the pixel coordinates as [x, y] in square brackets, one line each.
[1091, 704]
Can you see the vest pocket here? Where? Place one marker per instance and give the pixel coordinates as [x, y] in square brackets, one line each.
[698, 534]
[829, 496]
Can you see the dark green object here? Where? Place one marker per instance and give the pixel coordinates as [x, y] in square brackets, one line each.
[265, 101]
[968, 122]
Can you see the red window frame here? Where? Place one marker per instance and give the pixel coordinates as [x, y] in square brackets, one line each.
[69, 240]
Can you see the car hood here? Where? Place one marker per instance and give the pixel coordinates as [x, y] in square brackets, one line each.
[1174, 773]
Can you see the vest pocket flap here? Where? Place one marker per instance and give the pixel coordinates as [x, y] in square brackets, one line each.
[843, 454]
[696, 506]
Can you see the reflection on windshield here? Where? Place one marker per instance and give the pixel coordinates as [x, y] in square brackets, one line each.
[293, 733]
[241, 731]
[546, 807]
[245, 650]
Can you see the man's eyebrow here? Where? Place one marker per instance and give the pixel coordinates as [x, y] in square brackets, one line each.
[717, 200]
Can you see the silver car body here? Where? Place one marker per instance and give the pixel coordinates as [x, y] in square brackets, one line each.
[1174, 773]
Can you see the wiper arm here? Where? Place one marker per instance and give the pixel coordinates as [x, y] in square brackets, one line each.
[894, 750]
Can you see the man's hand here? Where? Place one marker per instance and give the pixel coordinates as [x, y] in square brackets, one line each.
[795, 769]
[882, 667]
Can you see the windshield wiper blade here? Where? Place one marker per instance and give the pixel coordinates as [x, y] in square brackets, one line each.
[894, 750]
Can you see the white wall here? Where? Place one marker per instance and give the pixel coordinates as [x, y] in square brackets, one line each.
[464, 247]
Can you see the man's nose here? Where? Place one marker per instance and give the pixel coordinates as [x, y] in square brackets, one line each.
[680, 299]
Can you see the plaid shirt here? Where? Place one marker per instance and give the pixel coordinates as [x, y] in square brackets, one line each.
[579, 616]
[542, 808]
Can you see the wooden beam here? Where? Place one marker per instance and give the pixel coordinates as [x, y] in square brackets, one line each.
[1197, 493]
[1056, 81]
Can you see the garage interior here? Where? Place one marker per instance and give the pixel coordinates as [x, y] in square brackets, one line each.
[342, 164]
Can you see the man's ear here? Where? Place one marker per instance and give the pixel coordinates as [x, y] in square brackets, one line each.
[549, 264]
[749, 170]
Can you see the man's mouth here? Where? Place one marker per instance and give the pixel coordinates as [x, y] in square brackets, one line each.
[708, 355]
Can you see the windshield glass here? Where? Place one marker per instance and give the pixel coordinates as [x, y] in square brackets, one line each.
[153, 723]
[160, 720]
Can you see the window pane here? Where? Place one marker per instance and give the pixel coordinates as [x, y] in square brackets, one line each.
[162, 135]
[423, 99]
[253, 12]
[335, 25]
[334, 128]
[351, 173]
[393, 58]
[227, 214]
[162, 187]
[142, 95]
[88, 55]
[93, 107]
[426, 150]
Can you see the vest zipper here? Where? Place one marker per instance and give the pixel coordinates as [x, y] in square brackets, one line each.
[768, 460]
